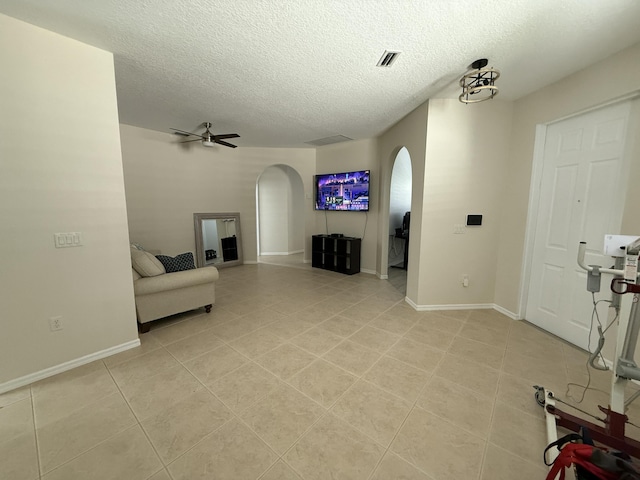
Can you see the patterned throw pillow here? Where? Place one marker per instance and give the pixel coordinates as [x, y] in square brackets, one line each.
[184, 261]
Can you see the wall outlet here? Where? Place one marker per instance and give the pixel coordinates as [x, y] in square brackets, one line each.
[465, 280]
[55, 324]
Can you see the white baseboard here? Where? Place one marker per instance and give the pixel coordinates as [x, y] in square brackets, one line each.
[370, 272]
[411, 303]
[465, 306]
[63, 367]
[282, 253]
[609, 363]
[250, 262]
[382, 277]
[506, 312]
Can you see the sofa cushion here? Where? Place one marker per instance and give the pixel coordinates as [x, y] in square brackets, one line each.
[181, 262]
[175, 281]
[145, 263]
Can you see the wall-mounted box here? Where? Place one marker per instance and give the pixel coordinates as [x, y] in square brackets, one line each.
[474, 220]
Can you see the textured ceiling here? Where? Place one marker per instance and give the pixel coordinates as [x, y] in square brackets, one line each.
[281, 73]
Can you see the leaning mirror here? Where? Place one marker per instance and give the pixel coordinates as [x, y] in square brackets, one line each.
[218, 240]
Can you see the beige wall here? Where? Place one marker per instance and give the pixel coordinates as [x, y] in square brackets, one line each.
[410, 132]
[466, 159]
[60, 171]
[298, 212]
[276, 203]
[345, 157]
[274, 211]
[611, 78]
[281, 206]
[458, 155]
[167, 183]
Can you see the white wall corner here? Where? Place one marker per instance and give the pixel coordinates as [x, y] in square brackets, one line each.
[506, 312]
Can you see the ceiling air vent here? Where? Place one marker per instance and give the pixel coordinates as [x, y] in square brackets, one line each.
[387, 58]
[328, 140]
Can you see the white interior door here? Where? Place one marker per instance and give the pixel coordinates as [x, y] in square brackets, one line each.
[581, 198]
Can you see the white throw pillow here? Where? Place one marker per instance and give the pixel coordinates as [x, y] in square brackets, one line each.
[145, 263]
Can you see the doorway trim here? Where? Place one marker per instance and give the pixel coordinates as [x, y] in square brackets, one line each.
[532, 217]
[383, 215]
[535, 187]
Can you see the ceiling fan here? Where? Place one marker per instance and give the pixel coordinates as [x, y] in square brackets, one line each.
[207, 138]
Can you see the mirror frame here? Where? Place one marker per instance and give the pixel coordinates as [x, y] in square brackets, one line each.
[200, 255]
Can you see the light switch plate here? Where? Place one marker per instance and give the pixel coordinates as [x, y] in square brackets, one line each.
[69, 239]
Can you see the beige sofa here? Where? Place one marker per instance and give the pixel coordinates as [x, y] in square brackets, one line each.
[159, 294]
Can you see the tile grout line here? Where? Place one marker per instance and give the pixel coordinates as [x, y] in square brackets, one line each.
[144, 432]
[402, 424]
[257, 400]
[328, 410]
[495, 402]
[233, 415]
[237, 415]
[286, 383]
[106, 439]
[35, 433]
[415, 405]
[388, 448]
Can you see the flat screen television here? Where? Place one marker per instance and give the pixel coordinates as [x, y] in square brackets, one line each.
[347, 191]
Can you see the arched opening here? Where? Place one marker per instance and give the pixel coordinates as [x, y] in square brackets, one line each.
[399, 219]
[280, 216]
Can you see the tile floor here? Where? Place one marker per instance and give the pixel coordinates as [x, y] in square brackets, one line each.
[300, 373]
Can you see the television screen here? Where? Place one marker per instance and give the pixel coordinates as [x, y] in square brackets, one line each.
[348, 191]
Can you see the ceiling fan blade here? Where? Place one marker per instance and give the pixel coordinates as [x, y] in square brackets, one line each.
[227, 135]
[194, 140]
[224, 143]
[185, 134]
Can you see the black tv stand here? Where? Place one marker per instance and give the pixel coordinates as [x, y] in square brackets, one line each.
[338, 254]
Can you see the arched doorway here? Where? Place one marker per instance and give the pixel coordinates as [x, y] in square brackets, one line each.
[399, 219]
[280, 216]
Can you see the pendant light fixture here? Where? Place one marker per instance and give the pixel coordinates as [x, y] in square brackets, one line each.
[478, 83]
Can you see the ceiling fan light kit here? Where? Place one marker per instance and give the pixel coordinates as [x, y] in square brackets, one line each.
[207, 138]
[478, 84]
